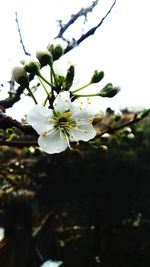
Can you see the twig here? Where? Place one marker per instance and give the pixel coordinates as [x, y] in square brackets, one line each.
[20, 36]
[74, 17]
[91, 31]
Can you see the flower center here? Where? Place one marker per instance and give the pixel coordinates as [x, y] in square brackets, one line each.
[64, 122]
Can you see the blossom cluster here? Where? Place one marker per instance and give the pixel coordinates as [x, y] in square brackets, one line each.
[64, 117]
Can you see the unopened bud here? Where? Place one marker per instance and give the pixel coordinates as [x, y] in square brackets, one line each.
[56, 50]
[105, 137]
[20, 76]
[44, 57]
[97, 76]
[32, 67]
[109, 90]
[69, 78]
[130, 136]
[126, 130]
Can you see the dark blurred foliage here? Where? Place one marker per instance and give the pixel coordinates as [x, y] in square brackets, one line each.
[88, 207]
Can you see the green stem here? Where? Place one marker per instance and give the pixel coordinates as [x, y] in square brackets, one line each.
[45, 101]
[89, 95]
[32, 95]
[53, 74]
[44, 79]
[76, 90]
[40, 80]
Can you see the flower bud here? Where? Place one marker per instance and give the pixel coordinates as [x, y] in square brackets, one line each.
[32, 67]
[126, 130]
[109, 90]
[56, 51]
[20, 76]
[69, 78]
[130, 136]
[44, 57]
[97, 76]
[105, 137]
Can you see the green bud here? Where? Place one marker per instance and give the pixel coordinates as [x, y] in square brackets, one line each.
[126, 130]
[109, 90]
[57, 51]
[97, 76]
[20, 76]
[69, 78]
[44, 57]
[32, 67]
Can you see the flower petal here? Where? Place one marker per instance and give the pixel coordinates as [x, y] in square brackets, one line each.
[62, 102]
[51, 263]
[39, 118]
[83, 132]
[53, 143]
[82, 109]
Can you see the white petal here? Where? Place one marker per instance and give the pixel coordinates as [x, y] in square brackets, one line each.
[82, 109]
[53, 143]
[50, 263]
[62, 102]
[39, 117]
[84, 133]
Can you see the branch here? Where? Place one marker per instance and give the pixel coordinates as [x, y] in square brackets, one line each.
[12, 99]
[8, 122]
[135, 118]
[19, 144]
[90, 32]
[74, 17]
[20, 36]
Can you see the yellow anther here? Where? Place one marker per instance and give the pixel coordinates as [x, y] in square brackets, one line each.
[44, 133]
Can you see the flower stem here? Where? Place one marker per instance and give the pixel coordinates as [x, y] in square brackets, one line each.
[32, 95]
[40, 80]
[88, 95]
[76, 90]
[53, 74]
[44, 79]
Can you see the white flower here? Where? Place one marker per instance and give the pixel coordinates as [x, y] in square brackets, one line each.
[50, 263]
[67, 122]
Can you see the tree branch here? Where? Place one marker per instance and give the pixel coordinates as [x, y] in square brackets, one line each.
[20, 36]
[74, 17]
[8, 122]
[19, 144]
[11, 100]
[90, 32]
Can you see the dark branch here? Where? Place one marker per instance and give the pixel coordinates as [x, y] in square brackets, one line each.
[19, 144]
[15, 97]
[8, 122]
[20, 36]
[11, 100]
[74, 17]
[91, 31]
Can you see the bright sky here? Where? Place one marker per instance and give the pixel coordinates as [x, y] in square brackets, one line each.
[120, 47]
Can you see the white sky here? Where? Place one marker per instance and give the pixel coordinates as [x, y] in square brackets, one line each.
[120, 47]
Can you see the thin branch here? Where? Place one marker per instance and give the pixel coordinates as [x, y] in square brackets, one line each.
[20, 36]
[89, 32]
[74, 17]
